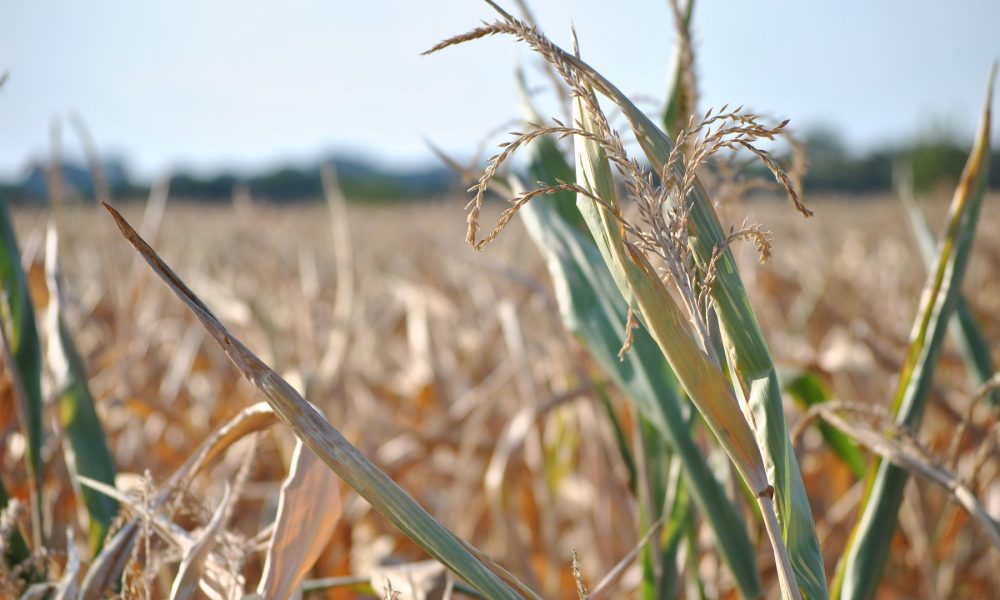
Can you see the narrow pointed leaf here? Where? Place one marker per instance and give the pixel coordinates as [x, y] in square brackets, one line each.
[675, 116]
[27, 356]
[964, 328]
[328, 444]
[308, 511]
[864, 559]
[86, 446]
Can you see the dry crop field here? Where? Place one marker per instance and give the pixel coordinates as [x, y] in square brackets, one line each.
[459, 380]
[615, 398]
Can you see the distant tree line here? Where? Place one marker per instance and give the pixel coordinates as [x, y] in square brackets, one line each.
[933, 161]
[358, 179]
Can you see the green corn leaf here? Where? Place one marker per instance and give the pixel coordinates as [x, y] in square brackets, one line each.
[753, 375]
[679, 109]
[808, 390]
[356, 470]
[592, 309]
[27, 356]
[548, 166]
[681, 521]
[964, 329]
[640, 284]
[668, 494]
[621, 443]
[87, 450]
[658, 567]
[694, 586]
[864, 559]
[643, 289]
[749, 360]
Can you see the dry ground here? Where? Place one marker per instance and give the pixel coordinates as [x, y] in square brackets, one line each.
[444, 346]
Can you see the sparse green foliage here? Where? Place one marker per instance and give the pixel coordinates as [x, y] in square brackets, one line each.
[24, 349]
[87, 449]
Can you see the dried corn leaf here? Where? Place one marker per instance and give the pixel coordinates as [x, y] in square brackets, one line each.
[188, 580]
[326, 442]
[308, 511]
[107, 566]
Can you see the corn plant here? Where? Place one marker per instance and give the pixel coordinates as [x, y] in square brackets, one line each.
[683, 233]
[864, 559]
[23, 357]
[678, 212]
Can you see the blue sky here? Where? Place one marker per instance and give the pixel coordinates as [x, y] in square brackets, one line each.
[244, 84]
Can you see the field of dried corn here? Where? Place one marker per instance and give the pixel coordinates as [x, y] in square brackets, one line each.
[452, 371]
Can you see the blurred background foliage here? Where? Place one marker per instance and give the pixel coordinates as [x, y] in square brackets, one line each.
[936, 158]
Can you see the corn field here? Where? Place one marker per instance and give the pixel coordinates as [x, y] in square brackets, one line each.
[649, 383]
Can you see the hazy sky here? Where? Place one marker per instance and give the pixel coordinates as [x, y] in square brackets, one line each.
[244, 84]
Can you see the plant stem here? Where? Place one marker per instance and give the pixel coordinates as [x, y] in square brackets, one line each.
[786, 577]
